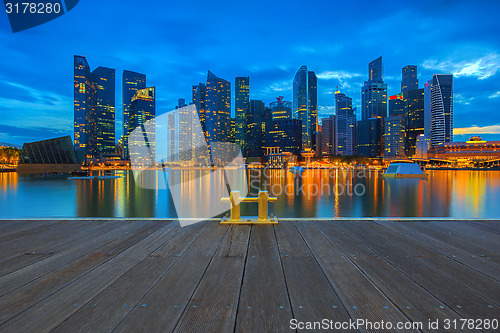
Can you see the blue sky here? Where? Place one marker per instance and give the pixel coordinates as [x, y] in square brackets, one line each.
[175, 42]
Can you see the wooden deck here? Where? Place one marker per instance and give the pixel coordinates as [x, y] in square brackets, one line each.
[153, 276]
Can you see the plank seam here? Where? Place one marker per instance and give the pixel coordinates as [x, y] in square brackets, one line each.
[283, 271]
[242, 279]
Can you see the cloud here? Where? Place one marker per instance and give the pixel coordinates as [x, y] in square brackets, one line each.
[345, 78]
[461, 99]
[21, 134]
[481, 68]
[494, 95]
[493, 129]
[326, 111]
[339, 75]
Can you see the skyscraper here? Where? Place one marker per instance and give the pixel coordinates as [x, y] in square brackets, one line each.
[218, 119]
[305, 104]
[255, 129]
[94, 108]
[84, 101]
[427, 109]
[142, 113]
[414, 111]
[103, 133]
[286, 134]
[181, 102]
[346, 125]
[131, 82]
[394, 136]
[199, 95]
[441, 109]
[281, 109]
[242, 98]
[217, 108]
[368, 137]
[374, 92]
[328, 135]
[409, 79]
[396, 105]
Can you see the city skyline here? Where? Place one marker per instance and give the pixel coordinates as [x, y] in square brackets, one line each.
[37, 99]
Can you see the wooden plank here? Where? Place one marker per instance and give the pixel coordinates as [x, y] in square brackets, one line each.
[109, 308]
[478, 263]
[264, 305]
[362, 298]
[50, 312]
[22, 228]
[491, 226]
[416, 303]
[477, 243]
[5, 225]
[47, 264]
[213, 306]
[54, 246]
[488, 226]
[450, 292]
[107, 246]
[160, 309]
[311, 294]
[480, 283]
[59, 233]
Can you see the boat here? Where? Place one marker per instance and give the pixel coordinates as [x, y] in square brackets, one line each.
[81, 174]
[404, 169]
[297, 170]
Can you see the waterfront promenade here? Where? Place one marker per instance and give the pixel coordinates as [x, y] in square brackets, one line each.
[153, 276]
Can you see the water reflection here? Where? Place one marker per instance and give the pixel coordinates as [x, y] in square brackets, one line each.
[318, 193]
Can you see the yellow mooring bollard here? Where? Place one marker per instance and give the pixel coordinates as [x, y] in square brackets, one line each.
[235, 218]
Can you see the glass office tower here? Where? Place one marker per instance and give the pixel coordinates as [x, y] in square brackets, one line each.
[409, 80]
[142, 113]
[281, 109]
[218, 119]
[84, 101]
[305, 104]
[415, 118]
[242, 98]
[217, 108]
[441, 109]
[328, 135]
[394, 136]
[199, 92]
[374, 92]
[368, 137]
[94, 108]
[345, 126]
[102, 134]
[131, 82]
